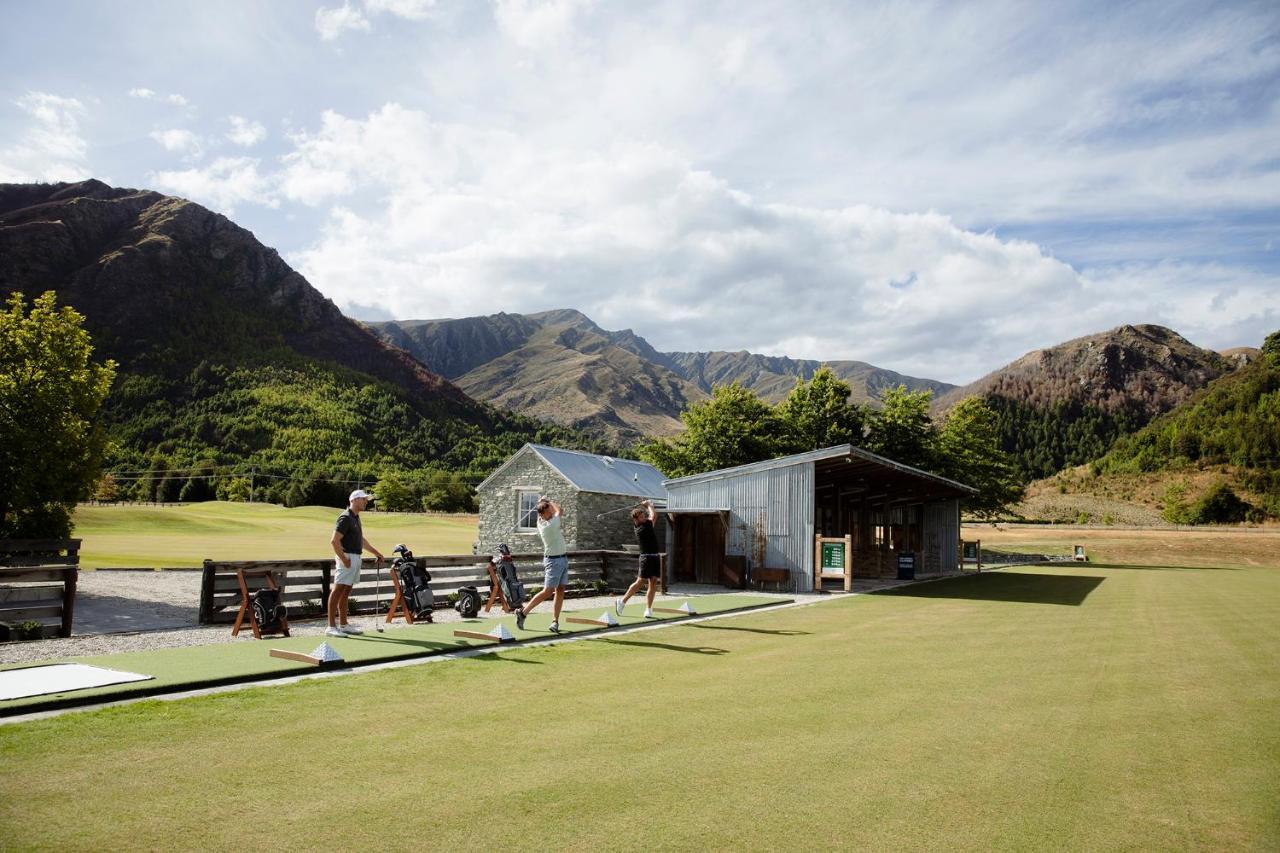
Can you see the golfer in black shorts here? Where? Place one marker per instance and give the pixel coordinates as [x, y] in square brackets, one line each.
[650, 559]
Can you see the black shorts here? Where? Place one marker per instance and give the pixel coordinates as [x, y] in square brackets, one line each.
[650, 566]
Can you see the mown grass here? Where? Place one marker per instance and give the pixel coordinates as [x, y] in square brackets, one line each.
[1046, 708]
[186, 535]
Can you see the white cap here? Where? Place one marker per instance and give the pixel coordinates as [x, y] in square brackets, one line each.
[359, 493]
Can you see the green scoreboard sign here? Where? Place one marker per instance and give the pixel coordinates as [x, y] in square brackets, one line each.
[833, 556]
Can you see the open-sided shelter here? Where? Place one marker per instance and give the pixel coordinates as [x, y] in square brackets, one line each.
[769, 515]
[594, 492]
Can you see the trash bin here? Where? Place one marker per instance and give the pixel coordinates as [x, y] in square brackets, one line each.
[906, 566]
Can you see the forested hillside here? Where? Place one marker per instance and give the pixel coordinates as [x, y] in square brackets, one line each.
[234, 373]
[1067, 404]
[1233, 425]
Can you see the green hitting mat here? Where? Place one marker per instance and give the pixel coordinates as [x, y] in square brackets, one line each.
[195, 667]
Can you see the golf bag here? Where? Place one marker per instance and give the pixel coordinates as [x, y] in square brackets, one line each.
[268, 611]
[509, 581]
[468, 602]
[414, 584]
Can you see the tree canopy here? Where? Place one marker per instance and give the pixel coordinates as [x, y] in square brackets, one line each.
[735, 427]
[50, 393]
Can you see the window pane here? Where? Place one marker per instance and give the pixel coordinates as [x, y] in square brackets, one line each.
[528, 516]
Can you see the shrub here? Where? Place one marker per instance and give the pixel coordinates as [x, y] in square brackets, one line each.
[1220, 505]
[29, 630]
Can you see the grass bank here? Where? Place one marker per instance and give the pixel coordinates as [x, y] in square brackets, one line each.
[176, 536]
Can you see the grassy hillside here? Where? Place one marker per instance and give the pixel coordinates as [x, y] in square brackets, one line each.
[187, 535]
[1039, 709]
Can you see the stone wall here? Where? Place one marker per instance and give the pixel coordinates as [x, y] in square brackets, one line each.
[614, 531]
[583, 529]
[499, 504]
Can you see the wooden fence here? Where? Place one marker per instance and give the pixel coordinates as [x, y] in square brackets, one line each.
[38, 582]
[305, 584]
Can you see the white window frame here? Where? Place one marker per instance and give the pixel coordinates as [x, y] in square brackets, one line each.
[531, 512]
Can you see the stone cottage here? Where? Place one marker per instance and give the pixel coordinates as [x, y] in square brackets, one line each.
[594, 492]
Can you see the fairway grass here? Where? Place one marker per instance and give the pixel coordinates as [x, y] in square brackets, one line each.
[1043, 708]
[185, 535]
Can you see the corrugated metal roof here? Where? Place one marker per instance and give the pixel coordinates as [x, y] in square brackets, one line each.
[817, 456]
[602, 474]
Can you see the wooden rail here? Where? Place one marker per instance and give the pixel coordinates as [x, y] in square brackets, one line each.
[311, 580]
[38, 582]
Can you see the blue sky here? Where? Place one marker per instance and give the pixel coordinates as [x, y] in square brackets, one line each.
[934, 188]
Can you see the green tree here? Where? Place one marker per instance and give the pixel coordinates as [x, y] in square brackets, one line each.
[734, 427]
[50, 393]
[394, 494]
[902, 429]
[1271, 345]
[969, 452]
[818, 414]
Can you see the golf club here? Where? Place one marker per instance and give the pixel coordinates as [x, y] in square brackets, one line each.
[377, 597]
[656, 505]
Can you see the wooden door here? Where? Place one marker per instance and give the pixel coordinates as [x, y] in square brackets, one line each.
[710, 549]
[685, 550]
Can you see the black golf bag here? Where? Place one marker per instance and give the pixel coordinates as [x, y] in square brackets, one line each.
[508, 579]
[268, 611]
[468, 602]
[415, 584]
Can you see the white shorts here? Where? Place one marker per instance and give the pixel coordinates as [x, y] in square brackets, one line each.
[344, 575]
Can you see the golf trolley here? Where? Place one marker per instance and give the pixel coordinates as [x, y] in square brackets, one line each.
[412, 584]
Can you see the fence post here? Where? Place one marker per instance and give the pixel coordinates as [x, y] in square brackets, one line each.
[206, 594]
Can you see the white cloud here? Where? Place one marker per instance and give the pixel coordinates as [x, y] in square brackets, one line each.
[331, 23]
[534, 24]
[151, 95]
[244, 132]
[179, 141]
[474, 221]
[414, 10]
[222, 185]
[50, 146]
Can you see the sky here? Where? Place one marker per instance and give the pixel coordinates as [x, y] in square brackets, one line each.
[933, 188]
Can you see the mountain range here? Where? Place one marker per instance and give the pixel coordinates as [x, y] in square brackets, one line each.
[561, 366]
[229, 355]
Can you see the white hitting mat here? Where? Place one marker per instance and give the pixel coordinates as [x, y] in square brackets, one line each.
[60, 678]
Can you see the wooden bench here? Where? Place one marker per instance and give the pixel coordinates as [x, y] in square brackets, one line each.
[760, 577]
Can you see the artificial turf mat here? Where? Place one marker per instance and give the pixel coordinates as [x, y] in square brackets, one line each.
[194, 667]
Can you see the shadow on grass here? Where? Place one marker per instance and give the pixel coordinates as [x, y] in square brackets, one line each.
[999, 586]
[1153, 568]
[698, 650]
[705, 627]
[500, 658]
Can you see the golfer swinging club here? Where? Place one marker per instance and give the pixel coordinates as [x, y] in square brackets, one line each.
[650, 561]
[555, 564]
[348, 543]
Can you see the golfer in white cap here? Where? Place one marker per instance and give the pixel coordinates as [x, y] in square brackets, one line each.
[348, 544]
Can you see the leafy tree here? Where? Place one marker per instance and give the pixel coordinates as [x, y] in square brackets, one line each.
[1271, 346]
[1220, 505]
[902, 429]
[818, 414]
[969, 450]
[50, 393]
[734, 427]
[395, 495]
